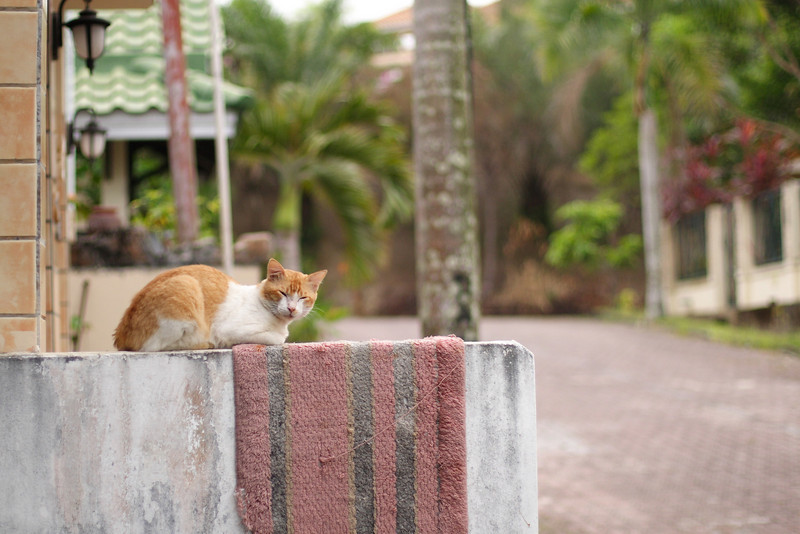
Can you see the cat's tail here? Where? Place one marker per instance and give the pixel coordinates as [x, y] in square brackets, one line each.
[129, 332]
[121, 341]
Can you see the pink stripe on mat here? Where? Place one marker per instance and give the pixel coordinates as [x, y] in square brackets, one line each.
[385, 445]
[452, 436]
[251, 397]
[427, 402]
[320, 492]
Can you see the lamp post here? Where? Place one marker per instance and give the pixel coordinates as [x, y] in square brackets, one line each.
[88, 32]
[92, 140]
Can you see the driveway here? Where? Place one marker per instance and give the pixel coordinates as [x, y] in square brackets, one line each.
[642, 431]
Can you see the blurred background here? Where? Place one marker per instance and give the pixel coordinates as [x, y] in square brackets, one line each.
[570, 100]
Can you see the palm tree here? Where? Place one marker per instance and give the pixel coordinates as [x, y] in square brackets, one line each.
[327, 141]
[266, 50]
[446, 217]
[319, 134]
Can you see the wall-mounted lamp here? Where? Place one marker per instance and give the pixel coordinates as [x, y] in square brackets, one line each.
[88, 32]
[92, 140]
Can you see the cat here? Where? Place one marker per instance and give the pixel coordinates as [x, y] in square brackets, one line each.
[200, 307]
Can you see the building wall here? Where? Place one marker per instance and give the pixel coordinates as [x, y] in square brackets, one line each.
[760, 286]
[54, 201]
[115, 183]
[756, 286]
[705, 296]
[23, 175]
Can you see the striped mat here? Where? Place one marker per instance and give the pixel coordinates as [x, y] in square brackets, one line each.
[351, 437]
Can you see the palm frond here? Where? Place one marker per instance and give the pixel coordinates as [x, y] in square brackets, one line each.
[259, 43]
[692, 61]
[342, 187]
[341, 147]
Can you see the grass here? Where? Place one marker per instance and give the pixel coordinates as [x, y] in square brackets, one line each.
[719, 331]
[723, 332]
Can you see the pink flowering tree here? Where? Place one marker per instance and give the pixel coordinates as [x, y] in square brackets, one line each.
[743, 161]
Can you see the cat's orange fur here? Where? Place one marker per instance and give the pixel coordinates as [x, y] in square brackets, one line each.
[199, 307]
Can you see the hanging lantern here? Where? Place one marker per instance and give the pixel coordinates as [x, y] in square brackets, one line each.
[88, 33]
[92, 140]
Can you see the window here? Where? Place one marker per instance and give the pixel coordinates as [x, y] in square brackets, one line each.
[767, 227]
[691, 241]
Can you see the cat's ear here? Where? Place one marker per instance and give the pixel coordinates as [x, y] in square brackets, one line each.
[315, 279]
[275, 270]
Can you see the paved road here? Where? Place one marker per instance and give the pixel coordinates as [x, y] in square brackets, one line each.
[641, 431]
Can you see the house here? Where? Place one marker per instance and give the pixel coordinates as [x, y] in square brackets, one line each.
[34, 214]
[737, 259]
[33, 207]
[128, 95]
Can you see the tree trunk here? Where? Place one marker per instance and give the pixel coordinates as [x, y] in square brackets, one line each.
[287, 248]
[287, 224]
[490, 222]
[446, 220]
[651, 215]
[182, 164]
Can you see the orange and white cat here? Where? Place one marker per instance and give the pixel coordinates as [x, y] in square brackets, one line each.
[200, 307]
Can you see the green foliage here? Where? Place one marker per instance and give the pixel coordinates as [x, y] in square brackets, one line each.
[768, 70]
[77, 325]
[671, 57]
[611, 157]
[154, 208]
[322, 136]
[588, 237]
[626, 302]
[737, 335]
[89, 178]
[267, 50]
[334, 145]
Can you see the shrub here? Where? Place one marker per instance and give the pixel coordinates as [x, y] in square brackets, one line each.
[589, 236]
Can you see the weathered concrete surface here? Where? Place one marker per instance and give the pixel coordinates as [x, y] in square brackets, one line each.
[117, 443]
[132, 442]
[501, 438]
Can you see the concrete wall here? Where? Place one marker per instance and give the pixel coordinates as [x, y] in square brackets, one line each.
[501, 439]
[134, 442]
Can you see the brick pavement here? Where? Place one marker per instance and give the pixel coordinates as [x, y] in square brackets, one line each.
[641, 431]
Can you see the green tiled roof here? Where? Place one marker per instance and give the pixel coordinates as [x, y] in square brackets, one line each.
[129, 76]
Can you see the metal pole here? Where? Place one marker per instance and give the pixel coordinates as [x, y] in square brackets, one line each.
[221, 142]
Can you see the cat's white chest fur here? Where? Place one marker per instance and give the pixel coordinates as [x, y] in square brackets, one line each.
[243, 318]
